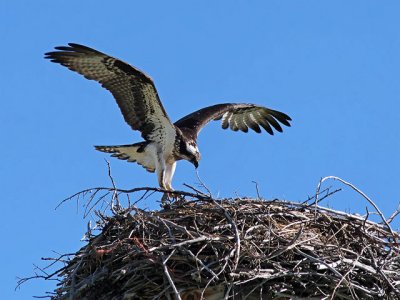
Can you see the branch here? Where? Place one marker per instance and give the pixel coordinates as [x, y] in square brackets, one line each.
[362, 194]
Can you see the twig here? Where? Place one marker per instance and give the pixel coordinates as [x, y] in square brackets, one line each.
[73, 281]
[394, 214]
[203, 184]
[258, 192]
[171, 282]
[115, 195]
[354, 263]
[195, 190]
[328, 194]
[362, 194]
[96, 190]
[237, 235]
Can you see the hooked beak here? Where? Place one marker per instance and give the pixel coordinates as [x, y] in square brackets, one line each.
[195, 163]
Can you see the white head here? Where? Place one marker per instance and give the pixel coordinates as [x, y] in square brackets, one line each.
[190, 152]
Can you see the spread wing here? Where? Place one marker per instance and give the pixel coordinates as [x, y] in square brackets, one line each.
[133, 90]
[237, 116]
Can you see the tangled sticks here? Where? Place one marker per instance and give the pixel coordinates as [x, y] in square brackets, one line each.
[234, 249]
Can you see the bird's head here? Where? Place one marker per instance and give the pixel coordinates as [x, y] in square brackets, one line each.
[190, 152]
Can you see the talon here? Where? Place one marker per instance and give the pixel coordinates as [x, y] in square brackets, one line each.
[167, 199]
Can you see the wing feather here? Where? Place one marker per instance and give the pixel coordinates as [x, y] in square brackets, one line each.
[281, 117]
[266, 126]
[241, 123]
[234, 123]
[133, 90]
[236, 116]
[270, 119]
[225, 120]
[252, 122]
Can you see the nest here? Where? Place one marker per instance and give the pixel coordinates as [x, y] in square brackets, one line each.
[235, 249]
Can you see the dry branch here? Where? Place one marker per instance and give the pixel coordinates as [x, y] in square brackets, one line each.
[232, 249]
[198, 247]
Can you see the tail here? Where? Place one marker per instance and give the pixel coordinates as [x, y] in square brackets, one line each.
[132, 153]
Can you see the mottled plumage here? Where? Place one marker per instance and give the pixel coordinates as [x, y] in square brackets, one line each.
[136, 95]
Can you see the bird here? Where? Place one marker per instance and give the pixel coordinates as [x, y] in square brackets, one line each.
[164, 143]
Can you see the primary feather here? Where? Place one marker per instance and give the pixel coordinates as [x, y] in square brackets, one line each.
[133, 90]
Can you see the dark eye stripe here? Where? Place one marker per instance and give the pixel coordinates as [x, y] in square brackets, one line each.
[183, 149]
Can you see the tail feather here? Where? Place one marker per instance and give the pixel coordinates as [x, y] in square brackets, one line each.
[132, 153]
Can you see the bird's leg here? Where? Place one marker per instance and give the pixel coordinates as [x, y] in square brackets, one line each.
[166, 197]
[170, 170]
[167, 179]
[161, 179]
[161, 182]
[169, 173]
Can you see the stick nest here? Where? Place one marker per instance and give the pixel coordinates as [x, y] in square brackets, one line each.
[238, 249]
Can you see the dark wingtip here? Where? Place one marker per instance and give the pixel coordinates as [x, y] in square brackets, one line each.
[100, 148]
[63, 48]
[80, 48]
[75, 45]
[286, 116]
[281, 117]
[69, 50]
[50, 54]
[255, 127]
[285, 122]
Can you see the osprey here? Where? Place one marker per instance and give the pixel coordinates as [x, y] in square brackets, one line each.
[164, 142]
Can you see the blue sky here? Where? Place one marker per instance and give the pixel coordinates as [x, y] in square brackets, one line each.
[333, 66]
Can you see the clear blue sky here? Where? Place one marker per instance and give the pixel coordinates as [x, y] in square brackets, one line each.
[333, 66]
